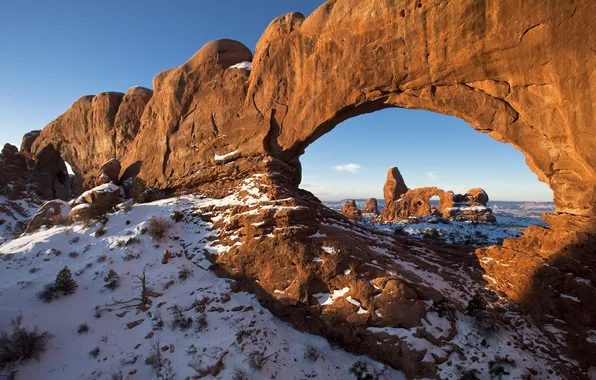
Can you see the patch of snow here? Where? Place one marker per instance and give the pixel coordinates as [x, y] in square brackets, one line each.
[242, 65]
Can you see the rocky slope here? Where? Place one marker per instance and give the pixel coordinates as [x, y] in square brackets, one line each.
[372, 294]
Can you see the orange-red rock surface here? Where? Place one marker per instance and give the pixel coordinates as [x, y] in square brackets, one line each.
[519, 70]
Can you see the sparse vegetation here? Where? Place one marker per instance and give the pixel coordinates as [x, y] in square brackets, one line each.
[143, 300]
[361, 371]
[112, 280]
[162, 367]
[201, 322]
[180, 321]
[476, 305]
[83, 328]
[444, 309]
[177, 216]
[311, 353]
[100, 231]
[64, 284]
[94, 353]
[158, 227]
[257, 359]
[102, 258]
[21, 344]
[184, 273]
[496, 367]
[73, 254]
[47, 294]
[240, 375]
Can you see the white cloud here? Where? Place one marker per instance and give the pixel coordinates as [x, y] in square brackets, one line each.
[432, 175]
[351, 167]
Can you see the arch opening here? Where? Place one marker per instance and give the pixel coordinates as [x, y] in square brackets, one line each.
[436, 154]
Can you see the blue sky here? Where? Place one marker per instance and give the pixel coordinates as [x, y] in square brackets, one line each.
[53, 52]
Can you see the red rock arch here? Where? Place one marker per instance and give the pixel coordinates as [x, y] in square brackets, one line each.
[497, 65]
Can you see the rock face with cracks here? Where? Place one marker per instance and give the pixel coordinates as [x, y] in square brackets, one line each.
[519, 70]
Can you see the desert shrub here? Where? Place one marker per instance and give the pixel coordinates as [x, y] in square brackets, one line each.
[177, 216]
[21, 344]
[184, 273]
[112, 280]
[117, 375]
[361, 371]
[74, 240]
[476, 305]
[180, 321]
[444, 309]
[94, 353]
[48, 293]
[97, 312]
[100, 231]
[83, 328]
[311, 353]
[257, 359]
[158, 227]
[240, 375]
[102, 258]
[162, 367]
[73, 254]
[64, 282]
[471, 374]
[201, 322]
[496, 367]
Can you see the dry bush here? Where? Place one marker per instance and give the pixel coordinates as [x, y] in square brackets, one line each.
[311, 353]
[83, 328]
[158, 227]
[94, 353]
[21, 344]
[257, 359]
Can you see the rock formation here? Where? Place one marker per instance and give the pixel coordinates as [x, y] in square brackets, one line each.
[51, 213]
[416, 203]
[371, 206]
[108, 172]
[519, 70]
[394, 186]
[351, 211]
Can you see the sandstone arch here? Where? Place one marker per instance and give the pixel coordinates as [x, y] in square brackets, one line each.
[520, 70]
[509, 68]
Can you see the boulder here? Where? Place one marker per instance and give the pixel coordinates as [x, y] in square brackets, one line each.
[99, 200]
[81, 213]
[394, 186]
[476, 197]
[371, 206]
[351, 211]
[51, 213]
[109, 172]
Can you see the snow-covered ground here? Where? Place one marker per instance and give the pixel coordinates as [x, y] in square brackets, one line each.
[227, 329]
[512, 219]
